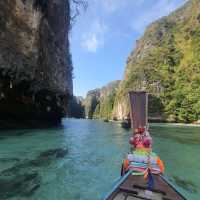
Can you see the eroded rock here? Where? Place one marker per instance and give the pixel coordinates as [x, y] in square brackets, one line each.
[35, 62]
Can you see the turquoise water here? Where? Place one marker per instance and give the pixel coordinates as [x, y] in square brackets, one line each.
[81, 160]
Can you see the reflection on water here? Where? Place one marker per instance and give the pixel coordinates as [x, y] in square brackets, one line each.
[82, 159]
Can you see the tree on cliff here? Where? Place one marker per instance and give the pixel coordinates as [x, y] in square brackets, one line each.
[76, 7]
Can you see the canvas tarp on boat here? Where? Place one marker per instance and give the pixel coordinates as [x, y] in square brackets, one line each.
[139, 109]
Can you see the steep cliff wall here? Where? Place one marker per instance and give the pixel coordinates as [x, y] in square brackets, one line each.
[35, 62]
[104, 108]
[90, 103]
[99, 102]
[76, 107]
[166, 63]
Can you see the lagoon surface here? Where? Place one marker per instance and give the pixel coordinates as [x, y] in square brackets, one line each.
[81, 159]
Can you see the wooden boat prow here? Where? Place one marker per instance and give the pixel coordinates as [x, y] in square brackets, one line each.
[133, 185]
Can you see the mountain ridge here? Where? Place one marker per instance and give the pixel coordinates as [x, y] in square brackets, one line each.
[166, 64]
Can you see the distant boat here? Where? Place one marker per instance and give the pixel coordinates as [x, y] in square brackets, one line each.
[142, 170]
[105, 120]
[126, 124]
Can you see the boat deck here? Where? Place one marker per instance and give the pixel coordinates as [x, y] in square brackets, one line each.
[135, 188]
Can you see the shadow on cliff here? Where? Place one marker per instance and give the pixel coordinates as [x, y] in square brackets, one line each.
[35, 63]
[21, 108]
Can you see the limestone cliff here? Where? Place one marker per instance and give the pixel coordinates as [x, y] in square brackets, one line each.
[166, 63]
[76, 107]
[35, 62]
[90, 103]
[104, 108]
[99, 103]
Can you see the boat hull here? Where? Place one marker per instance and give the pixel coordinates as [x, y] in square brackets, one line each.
[134, 187]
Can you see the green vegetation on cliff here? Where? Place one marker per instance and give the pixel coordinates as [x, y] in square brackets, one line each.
[106, 101]
[99, 103]
[166, 63]
[90, 103]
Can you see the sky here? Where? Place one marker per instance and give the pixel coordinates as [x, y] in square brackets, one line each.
[104, 35]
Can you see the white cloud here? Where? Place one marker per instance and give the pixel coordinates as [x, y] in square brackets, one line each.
[95, 37]
[130, 16]
[159, 9]
[91, 43]
[114, 5]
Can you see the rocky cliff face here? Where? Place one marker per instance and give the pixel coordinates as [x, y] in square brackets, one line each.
[90, 103]
[35, 62]
[99, 103]
[166, 63]
[76, 107]
[104, 108]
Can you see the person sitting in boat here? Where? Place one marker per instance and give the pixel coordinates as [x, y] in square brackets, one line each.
[141, 139]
